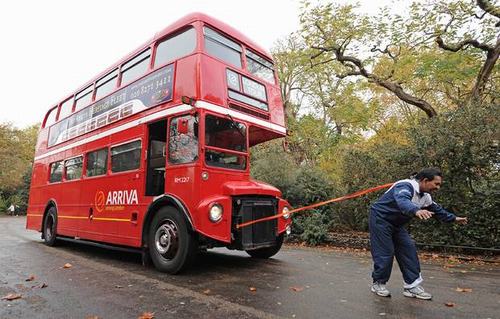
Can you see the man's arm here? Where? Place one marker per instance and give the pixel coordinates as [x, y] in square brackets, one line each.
[440, 213]
[403, 193]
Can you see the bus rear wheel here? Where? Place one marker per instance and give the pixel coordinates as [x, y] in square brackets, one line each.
[171, 245]
[267, 252]
[50, 227]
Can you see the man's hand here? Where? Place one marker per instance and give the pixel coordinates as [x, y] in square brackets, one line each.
[424, 214]
[461, 220]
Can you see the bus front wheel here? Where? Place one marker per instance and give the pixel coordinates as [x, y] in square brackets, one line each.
[171, 245]
[50, 227]
[267, 252]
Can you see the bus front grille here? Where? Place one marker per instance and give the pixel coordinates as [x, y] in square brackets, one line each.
[262, 234]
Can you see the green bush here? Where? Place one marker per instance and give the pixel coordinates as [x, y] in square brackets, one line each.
[465, 144]
[314, 229]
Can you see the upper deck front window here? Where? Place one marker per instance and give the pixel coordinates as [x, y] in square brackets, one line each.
[221, 47]
[175, 47]
[260, 67]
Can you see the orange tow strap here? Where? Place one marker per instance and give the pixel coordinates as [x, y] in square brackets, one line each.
[338, 199]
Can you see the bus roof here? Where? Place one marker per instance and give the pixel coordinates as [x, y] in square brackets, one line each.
[198, 16]
[187, 19]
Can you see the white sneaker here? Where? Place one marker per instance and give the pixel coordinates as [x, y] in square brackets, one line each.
[417, 292]
[380, 290]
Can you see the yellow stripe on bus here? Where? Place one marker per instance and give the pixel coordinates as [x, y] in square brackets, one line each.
[83, 217]
[111, 219]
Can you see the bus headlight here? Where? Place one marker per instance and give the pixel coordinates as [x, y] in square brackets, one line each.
[215, 213]
[285, 212]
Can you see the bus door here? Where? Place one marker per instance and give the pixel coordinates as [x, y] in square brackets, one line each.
[157, 139]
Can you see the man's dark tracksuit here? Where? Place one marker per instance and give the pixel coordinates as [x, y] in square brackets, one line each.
[388, 237]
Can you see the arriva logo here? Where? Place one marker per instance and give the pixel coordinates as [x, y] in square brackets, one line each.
[115, 198]
[127, 197]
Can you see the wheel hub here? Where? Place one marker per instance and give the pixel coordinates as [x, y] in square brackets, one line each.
[166, 239]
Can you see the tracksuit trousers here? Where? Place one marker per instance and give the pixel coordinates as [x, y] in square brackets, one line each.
[388, 240]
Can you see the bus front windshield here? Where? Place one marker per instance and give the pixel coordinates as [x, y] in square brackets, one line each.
[226, 142]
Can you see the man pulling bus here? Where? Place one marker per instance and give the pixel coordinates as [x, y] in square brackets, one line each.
[406, 199]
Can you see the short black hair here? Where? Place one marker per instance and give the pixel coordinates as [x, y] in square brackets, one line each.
[428, 173]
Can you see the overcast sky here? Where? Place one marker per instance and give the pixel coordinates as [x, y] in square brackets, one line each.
[52, 47]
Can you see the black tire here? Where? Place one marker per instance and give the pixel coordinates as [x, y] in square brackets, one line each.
[266, 252]
[171, 245]
[49, 231]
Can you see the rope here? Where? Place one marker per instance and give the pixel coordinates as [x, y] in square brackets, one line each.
[338, 199]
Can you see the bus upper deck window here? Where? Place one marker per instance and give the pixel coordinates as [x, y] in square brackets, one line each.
[260, 67]
[221, 47]
[51, 118]
[83, 98]
[106, 84]
[175, 47]
[136, 67]
[66, 108]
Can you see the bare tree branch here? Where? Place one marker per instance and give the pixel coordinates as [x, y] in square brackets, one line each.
[459, 46]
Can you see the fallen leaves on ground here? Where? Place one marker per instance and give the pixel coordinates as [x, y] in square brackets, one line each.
[297, 289]
[252, 289]
[449, 304]
[147, 315]
[463, 289]
[12, 296]
[67, 265]
[41, 286]
[30, 278]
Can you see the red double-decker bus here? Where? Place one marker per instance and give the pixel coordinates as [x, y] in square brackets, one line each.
[153, 153]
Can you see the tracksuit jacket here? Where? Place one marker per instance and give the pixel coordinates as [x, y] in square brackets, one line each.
[388, 237]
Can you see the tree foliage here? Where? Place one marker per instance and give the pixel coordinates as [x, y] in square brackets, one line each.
[390, 50]
[17, 147]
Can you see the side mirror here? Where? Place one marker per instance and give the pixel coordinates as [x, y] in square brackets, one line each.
[182, 125]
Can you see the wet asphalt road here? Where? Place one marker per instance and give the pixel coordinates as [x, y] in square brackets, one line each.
[297, 283]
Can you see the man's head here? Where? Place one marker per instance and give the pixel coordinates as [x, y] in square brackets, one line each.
[429, 179]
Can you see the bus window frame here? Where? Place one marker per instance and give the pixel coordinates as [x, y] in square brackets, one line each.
[250, 51]
[148, 69]
[86, 158]
[50, 173]
[216, 30]
[204, 146]
[169, 36]
[49, 112]
[139, 169]
[77, 98]
[64, 172]
[71, 111]
[97, 86]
